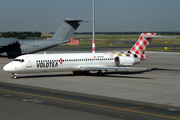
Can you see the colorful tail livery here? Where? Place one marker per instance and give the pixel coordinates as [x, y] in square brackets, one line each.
[141, 45]
[38, 63]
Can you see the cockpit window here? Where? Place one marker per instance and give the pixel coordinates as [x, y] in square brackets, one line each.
[20, 60]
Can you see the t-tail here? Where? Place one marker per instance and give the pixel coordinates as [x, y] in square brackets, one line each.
[66, 30]
[62, 35]
[141, 45]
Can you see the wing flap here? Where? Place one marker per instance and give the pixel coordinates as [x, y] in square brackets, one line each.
[7, 41]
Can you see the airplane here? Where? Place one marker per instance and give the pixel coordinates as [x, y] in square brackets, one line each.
[14, 47]
[39, 63]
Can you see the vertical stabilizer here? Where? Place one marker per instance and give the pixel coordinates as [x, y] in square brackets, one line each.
[141, 45]
[67, 29]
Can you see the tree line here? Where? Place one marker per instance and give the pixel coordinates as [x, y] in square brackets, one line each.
[132, 33]
[20, 35]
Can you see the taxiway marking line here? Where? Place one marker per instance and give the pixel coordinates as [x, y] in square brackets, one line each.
[176, 116]
[163, 104]
[134, 107]
[90, 104]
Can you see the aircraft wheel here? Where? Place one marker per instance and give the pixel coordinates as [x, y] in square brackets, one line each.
[15, 76]
[100, 72]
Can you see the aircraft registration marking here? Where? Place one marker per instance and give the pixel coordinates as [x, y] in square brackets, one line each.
[34, 45]
[100, 56]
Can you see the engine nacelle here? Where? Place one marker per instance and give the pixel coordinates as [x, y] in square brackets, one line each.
[122, 60]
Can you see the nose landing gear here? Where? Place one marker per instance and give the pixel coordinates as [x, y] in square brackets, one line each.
[14, 76]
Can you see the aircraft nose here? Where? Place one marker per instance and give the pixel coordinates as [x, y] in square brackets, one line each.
[7, 68]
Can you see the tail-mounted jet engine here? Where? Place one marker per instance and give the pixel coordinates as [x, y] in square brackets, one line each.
[121, 61]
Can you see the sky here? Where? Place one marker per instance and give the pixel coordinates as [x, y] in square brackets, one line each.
[110, 15]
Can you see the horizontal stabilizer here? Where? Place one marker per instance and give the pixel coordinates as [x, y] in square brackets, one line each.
[66, 41]
[157, 37]
[72, 20]
[60, 43]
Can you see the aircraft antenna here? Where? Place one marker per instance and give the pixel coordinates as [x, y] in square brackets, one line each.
[93, 40]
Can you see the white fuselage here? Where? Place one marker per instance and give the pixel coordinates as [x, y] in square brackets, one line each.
[37, 63]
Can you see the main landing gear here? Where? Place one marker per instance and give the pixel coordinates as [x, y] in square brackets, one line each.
[100, 72]
[14, 76]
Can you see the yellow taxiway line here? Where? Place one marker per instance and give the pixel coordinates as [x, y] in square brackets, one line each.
[90, 104]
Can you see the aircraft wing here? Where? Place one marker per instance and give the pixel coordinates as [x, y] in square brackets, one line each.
[7, 42]
[91, 68]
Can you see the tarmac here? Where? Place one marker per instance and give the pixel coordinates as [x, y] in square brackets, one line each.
[160, 85]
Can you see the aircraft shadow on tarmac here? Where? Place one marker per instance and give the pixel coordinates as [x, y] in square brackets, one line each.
[162, 69]
[127, 73]
[105, 74]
